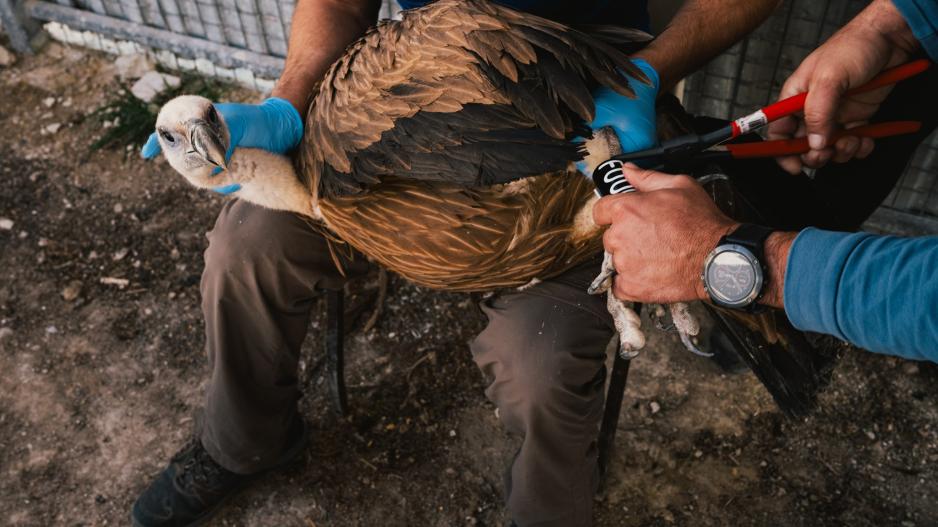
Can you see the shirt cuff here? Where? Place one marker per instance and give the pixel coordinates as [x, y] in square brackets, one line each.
[922, 17]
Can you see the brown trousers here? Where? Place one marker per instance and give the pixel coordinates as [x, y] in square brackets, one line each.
[543, 350]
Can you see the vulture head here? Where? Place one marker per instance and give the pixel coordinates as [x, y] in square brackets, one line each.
[194, 139]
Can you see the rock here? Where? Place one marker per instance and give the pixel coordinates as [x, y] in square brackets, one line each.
[48, 102]
[110, 280]
[5, 333]
[51, 128]
[71, 291]
[152, 84]
[120, 254]
[132, 66]
[6, 58]
[6, 224]
[655, 407]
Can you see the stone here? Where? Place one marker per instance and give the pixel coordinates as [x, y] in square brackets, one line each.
[6, 58]
[152, 84]
[6, 224]
[71, 291]
[52, 128]
[133, 66]
[48, 102]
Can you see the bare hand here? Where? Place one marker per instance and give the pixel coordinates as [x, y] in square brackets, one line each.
[660, 236]
[875, 40]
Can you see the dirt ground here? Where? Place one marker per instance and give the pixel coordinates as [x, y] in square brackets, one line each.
[99, 381]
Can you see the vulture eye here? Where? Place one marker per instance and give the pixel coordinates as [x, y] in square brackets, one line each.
[212, 115]
[168, 137]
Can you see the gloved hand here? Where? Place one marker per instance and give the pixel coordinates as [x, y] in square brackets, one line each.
[272, 125]
[632, 119]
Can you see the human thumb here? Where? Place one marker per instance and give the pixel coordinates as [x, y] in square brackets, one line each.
[645, 180]
[820, 111]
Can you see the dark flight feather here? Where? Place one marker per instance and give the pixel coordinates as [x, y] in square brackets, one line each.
[434, 96]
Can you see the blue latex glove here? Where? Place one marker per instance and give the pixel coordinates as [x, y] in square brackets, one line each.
[632, 119]
[272, 125]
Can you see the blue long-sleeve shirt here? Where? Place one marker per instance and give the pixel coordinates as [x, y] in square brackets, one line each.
[922, 17]
[877, 292]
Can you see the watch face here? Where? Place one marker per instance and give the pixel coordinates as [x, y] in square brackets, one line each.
[732, 277]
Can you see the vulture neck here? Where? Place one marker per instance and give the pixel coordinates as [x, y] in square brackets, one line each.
[269, 180]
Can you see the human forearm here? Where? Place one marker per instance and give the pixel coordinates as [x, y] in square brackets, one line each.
[321, 30]
[777, 246]
[921, 17]
[698, 32]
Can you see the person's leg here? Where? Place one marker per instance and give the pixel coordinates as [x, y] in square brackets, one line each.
[544, 352]
[263, 270]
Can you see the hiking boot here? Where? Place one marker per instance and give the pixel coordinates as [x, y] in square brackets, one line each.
[194, 487]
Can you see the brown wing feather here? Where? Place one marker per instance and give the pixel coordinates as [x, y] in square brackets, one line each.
[507, 71]
[450, 237]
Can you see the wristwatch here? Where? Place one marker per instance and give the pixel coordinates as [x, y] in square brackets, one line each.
[734, 272]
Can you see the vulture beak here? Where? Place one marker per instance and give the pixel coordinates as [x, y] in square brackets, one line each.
[207, 142]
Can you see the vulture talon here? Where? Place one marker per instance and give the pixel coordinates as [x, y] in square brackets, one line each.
[607, 274]
[687, 326]
[691, 347]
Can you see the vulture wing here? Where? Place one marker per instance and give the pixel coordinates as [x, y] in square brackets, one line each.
[460, 91]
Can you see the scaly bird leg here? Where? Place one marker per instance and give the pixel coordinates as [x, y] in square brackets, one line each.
[687, 326]
[627, 322]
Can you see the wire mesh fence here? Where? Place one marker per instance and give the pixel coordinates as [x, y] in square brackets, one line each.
[246, 40]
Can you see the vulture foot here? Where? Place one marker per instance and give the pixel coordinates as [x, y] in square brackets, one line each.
[687, 326]
[627, 322]
[628, 325]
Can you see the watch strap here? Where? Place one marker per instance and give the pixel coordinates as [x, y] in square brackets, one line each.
[750, 236]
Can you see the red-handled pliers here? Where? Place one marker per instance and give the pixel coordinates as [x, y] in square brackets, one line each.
[684, 152]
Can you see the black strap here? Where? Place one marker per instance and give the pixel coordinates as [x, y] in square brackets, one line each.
[752, 237]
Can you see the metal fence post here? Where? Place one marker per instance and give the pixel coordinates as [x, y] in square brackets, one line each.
[18, 27]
